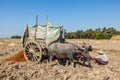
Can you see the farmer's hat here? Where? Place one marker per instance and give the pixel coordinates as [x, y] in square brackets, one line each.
[100, 51]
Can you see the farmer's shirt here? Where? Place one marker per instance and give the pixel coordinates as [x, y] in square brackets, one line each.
[103, 57]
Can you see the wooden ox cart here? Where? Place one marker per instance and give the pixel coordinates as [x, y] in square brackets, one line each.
[36, 40]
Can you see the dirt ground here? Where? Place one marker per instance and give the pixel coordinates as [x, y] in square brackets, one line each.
[13, 70]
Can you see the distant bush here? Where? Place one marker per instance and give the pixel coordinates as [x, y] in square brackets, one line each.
[16, 36]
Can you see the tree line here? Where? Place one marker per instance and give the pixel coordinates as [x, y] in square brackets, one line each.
[16, 36]
[104, 33]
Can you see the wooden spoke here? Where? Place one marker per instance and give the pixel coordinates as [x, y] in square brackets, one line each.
[32, 52]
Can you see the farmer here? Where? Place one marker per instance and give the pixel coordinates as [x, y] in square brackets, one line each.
[102, 58]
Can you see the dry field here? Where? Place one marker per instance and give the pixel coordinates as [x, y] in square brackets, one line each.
[53, 71]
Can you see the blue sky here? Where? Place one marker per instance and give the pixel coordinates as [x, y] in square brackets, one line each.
[72, 14]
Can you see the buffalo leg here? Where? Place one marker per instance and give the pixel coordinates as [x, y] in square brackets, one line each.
[67, 62]
[89, 63]
[71, 60]
[84, 59]
[50, 58]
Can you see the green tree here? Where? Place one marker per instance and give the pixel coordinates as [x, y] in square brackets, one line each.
[16, 36]
[104, 33]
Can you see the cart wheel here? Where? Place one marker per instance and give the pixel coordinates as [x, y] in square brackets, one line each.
[32, 52]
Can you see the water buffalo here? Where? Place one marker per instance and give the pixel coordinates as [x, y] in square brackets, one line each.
[85, 56]
[63, 51]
